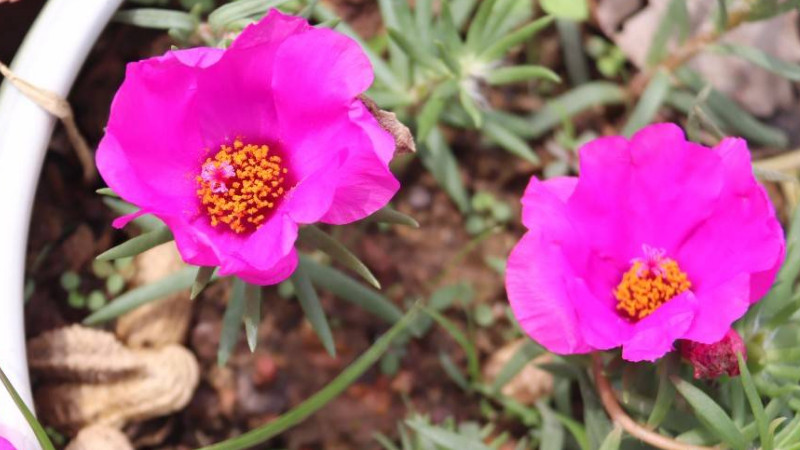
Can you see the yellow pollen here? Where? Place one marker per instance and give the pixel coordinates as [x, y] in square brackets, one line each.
[643, 289]
[241, 184]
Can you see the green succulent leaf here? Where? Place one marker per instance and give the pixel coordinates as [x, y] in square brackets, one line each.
[312, 307]
[514, 74]
[142, 295]
[231, 322]
[711, 414]
[347, 288]
[577, 10]
[336, 250]
[139, 244]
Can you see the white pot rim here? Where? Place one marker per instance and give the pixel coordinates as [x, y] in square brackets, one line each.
[50, 57]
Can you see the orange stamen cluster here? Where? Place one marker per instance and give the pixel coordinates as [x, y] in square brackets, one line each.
[646, 286]
[241, 184]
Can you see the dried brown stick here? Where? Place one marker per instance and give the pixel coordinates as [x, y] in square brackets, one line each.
[59, 107]
[619, 417]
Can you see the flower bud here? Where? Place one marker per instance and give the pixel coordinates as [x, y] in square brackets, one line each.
[713, 360]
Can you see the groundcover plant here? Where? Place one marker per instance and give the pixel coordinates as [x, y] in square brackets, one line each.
[591, 242]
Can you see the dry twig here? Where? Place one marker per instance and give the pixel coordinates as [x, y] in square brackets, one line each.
[622, 419]
[60, 108]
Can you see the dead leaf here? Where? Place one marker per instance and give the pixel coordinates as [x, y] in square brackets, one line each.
[100, 436]
[78, 353]
[403, 139]
[165, 385]
[530, 384]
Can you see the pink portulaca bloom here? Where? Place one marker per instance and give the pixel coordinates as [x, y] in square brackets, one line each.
[234, 148]
[659, 239]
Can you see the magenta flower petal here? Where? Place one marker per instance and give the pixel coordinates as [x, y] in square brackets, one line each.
[655, 335]
[659, 239]
[538, 268]
[366, 183]
[156, 96]
[234, 149]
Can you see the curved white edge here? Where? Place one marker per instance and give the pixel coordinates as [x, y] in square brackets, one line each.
[50, 57]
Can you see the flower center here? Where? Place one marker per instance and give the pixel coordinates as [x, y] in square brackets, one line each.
[241, 185]
[649, 283]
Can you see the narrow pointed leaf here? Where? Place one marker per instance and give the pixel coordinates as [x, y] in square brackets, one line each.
[107, 192]
[308, 10]
[721, 16]
[508, 15]
[431, 111]
[733, 118]
[201, 280]
[142, 295]
[664, 397]
[652, 98]
[138, 245]
[509, 141]
[762, 59]
[577, 10]
[553, 435]
[38, 430]
[228, 13]
[162, 19]
[676, 18]
[569, 104]
[473, 364]
[448, 31]
[449, 60]
[613, 440]
[389, 215]
[301, 412]
[572, 49]
[576, 429]
[384, 441]
[415, 52]
[423, 16]
[499, 48]
[252, 314]
[452, 370]
[429, 117]
[346, 288]
[478, 24]
[756, 406]
[790, 433]
[312, 307]
[231, 322]
[336, 250]
[444, 438]
[438, 158]
[470, 107]
[505, 75]
[711, 414]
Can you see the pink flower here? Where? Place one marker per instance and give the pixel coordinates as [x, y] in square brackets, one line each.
[659, 239]
[5, 445]
[717, 359]
[234, 148]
